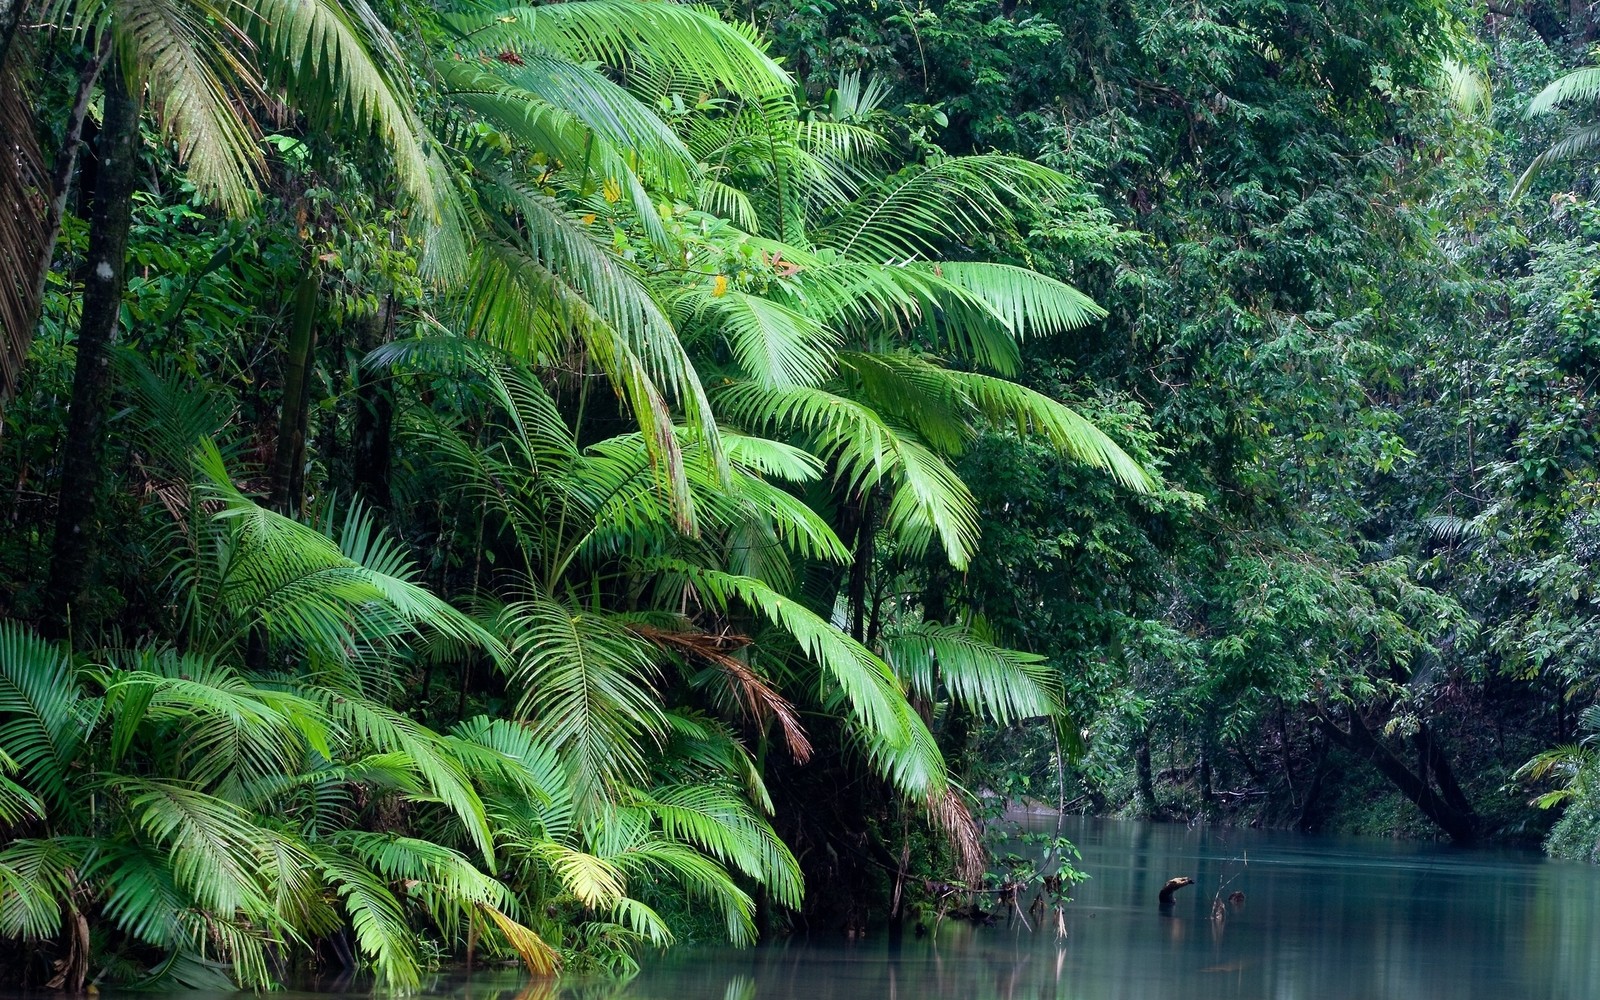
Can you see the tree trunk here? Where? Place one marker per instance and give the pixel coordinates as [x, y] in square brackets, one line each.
[1460, 824]
[289, 460]
[374, 415]
[1144, 773]
[66, 163]
[110, 216]
[1443, 774]
[861, 565]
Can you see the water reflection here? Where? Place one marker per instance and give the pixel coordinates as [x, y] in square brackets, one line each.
[1321, 919]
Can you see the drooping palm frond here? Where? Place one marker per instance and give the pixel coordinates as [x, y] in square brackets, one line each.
[1581, 86]
[717, 820]
[36, 879]
[382, 932]
[215, 727]
[170, 419]
[43, 714]
[911, 213]
[338, 64]
[615, 479]
[774, 343]
[914, 768]
[563, 137]
[379, 729]
[17, 804]
[623, 33]
[198, 76]
[211, 845]
[296, 583]
[1577, 142]
[1005, 685]
[1030, 303]
[879, 305]
[868, 688]
[523, 79]
[1066, 430]
[587, 683]
[514, 294]
[928, 501]
[626, 839]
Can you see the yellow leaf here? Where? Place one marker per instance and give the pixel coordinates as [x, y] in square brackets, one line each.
[612, 190]
[719, 287]
[588, 219]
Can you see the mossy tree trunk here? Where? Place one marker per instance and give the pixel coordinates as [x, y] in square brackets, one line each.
[288, 469]
[110, 217]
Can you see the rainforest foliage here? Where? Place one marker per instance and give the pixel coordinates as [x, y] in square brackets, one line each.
[534, 483]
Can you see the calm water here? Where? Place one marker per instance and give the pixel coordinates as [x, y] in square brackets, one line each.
[1323, 919]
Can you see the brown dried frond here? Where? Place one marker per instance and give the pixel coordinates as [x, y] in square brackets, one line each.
[23, 183]
[760, 702]
[950, 816]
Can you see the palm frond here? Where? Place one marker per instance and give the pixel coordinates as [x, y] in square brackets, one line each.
[198, 77]
[42, 714]
[36, 881]
[869, 688]
[588, 685]
[1030, 303]
[1577, 142]
[929, 500]
[339, 65]
[1066, 430]
[911, 213]
[209, 843]
[717, 820]
[379, 921]
[621, 33]
[1579, 86]
[773, 343]
[1005, 685]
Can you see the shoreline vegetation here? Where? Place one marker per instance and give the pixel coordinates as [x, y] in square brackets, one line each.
[538, 483]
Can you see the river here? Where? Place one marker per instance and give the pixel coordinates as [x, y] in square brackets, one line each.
[1322, 919]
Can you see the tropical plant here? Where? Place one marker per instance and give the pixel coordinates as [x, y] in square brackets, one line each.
[1580, 87]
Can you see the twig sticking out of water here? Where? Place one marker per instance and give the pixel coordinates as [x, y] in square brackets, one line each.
[1218, 912]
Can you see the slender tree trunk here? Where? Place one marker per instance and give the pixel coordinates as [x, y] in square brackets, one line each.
[374, 415]
[861, 566]
[110, 216]
[289, 460]
[1444, 776]
[67, 162]
[1461, 825]
[1145, 775]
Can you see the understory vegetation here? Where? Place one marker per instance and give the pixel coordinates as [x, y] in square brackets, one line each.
[532, 484]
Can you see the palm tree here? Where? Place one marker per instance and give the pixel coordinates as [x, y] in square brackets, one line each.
[162, 797]
[197, 71]
[1580, 87]
[833, 323]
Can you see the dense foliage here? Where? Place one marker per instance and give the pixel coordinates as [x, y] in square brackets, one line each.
[531, 483]
[1344, 253]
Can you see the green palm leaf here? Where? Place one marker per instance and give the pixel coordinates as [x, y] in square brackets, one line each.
[588, 685]
[43, 714]
[1005, 685]
[1062, 426]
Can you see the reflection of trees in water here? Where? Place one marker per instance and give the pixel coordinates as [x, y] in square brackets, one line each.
[1325, 920]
